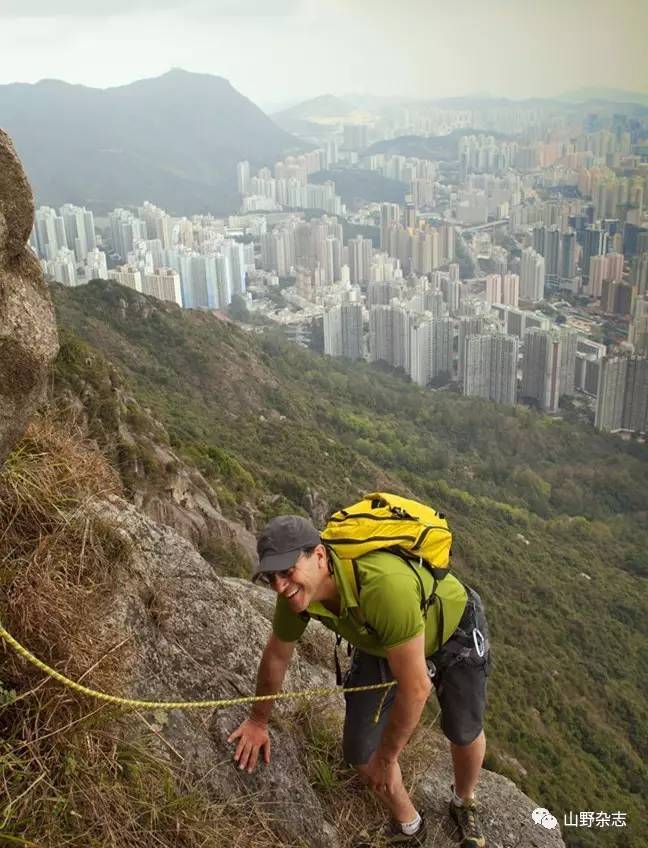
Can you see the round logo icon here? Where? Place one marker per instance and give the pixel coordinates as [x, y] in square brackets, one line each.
[544, 818]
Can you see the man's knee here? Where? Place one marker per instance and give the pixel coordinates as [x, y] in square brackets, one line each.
[462, 734]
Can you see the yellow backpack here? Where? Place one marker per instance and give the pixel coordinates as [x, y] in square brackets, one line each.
[382, 521]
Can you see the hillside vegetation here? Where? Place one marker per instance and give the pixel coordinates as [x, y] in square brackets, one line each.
[356, 186]
[441, 148]
[549, 518]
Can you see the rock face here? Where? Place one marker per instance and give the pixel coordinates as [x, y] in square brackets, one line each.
[192, 634]
[28, 339]
[156, 479]
[197, 635]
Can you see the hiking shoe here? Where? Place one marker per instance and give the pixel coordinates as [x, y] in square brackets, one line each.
[391, 834]
[467, 821]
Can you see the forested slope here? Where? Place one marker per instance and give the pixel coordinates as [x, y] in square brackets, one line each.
[549, 518]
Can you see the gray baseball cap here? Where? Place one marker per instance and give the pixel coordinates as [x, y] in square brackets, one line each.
[281, 542]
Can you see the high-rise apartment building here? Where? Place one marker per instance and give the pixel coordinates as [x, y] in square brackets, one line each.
[278, 251]
[568, 350]
[638, 330]
[163, 284]
[243, 177]
[604, 268]
[541, 361]
[547, 242]
[49, 233]
[382, 293]
[466, 326]
[62, 267]
[430, 301]
[635, 406]
[491, 368]
[503, 289]
[390, 330]
[79, 229]
[616, 298]
[597, 275]
[389, 214]
[360, 256]
[595, 242]
[640, 273]
[615, 266]
[126, 229]
[159, 224]
[452, 293]
[431, 353]
[622, 401]
[568, 256]
[410, 212]
[95, 266]
[343, 331]
[493, 289]
[551, 253]
[127, 276]
[532, 276]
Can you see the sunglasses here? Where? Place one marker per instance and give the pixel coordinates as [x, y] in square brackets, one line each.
[268, 577]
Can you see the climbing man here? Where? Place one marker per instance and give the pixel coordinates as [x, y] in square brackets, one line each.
[378, 609]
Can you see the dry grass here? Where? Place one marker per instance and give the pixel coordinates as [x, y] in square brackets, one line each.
[69, 776]
[54, 559]
[70, 772]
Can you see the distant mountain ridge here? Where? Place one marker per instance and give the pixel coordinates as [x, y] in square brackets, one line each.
[609, 95]
[173, 140]
[437, 148]
[312, 117]
[315, 116]
[324, 106]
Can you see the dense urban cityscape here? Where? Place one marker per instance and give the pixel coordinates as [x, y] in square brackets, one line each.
[519, 272]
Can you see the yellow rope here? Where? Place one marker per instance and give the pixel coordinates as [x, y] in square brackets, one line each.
[134, 703]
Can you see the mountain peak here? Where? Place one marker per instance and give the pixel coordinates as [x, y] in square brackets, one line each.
[194, 128]
[186, 76]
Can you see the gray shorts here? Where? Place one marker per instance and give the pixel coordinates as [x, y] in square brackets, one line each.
[459, 675]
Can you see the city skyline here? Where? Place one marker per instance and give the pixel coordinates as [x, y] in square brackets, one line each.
[502, 49]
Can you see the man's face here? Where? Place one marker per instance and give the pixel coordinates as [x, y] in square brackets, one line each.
[301, 584]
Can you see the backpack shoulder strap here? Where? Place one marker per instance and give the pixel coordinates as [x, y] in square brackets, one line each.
[350, 567]
[432, 598]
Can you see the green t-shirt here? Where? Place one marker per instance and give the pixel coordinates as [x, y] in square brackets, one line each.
[390, 600]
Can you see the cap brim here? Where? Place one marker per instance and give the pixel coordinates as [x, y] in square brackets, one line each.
[277, 562]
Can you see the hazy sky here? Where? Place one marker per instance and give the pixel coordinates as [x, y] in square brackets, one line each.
[283, 51]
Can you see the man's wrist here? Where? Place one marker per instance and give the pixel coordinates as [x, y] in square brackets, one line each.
[260, 722]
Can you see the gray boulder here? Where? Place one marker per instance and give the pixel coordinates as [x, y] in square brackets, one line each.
[197, 635]
[28, 338]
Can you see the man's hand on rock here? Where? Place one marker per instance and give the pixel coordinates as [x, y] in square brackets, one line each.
[253, 738]
[383, 776]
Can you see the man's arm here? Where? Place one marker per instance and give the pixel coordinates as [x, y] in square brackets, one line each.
[407, 664]
[272, 670]
[252, 734]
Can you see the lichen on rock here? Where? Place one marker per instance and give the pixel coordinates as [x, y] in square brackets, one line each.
[28, 338]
